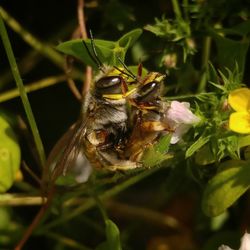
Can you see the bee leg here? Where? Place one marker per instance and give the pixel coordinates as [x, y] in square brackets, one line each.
[112, 162]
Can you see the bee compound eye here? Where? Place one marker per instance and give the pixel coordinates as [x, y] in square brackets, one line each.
[149, 89]
[108, 81]
[109, 85]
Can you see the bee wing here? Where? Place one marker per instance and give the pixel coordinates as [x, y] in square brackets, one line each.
[68, 148]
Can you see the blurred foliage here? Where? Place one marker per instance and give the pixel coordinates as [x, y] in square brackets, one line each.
[203, 48]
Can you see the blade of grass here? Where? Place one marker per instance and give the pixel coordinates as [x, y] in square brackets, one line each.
[46, 82]
[23, 94]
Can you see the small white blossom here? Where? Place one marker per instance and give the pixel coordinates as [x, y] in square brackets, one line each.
[245, 243]
[223, 247]
[180, 119]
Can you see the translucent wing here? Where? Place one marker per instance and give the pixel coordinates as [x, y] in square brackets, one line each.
[68, 151]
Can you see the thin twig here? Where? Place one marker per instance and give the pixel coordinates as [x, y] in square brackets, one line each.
[66, 241]
[35, 43]
[33, 57]
[81, 19]
[36, 220]
[31, 173]
[145, 214]
[46, 82]
[71, 83]
[91, 201]
[82, 25]
[88, 79]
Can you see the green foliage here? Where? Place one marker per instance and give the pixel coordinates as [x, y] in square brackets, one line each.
[10, 156]
[202, 46]
[113, 237]
[225, 188]
[173, 31]
[157, 153]
[231, 52]
[108, 52]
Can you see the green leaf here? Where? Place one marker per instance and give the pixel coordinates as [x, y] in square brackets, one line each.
[9, 155]
[129, 38]
[225, 188]
[113, 237]
[205, 156]
[76, 48]
[4, 218]
[244, 141]
[108, 52]
[196, 146]
[231, 52]
[157, 153]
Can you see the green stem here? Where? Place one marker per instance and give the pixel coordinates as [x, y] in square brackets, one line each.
[49, 81]
[23, 95]
[177, 9]
[20, 200]
[39, 46]
[185, 8]
[31, 40]
[191, 96]
[90, 203]
[33, 57]
[206, 52]
[204, 63]
[66, 241]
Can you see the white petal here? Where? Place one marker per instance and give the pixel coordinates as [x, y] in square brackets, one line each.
[180, 130]
[245, 242]
[223, 247]
[179, 112]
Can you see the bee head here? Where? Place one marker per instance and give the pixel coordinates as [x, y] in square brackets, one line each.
[109, 87]
[151, 88]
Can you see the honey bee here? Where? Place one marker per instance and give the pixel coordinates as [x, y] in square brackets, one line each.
[102, 129]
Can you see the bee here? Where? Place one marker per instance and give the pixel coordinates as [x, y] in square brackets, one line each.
[102, 129]
[147, 115]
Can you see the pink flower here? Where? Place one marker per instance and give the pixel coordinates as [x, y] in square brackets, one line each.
[180, 119]
[245, 243]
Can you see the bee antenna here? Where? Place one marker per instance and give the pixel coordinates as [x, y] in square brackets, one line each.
[126, 67]
[94, 57]
[100, 64]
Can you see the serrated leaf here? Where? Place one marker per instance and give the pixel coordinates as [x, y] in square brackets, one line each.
[196, 146]
[225, 188]
[113, 237]
[9, 155]
[157, 153]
